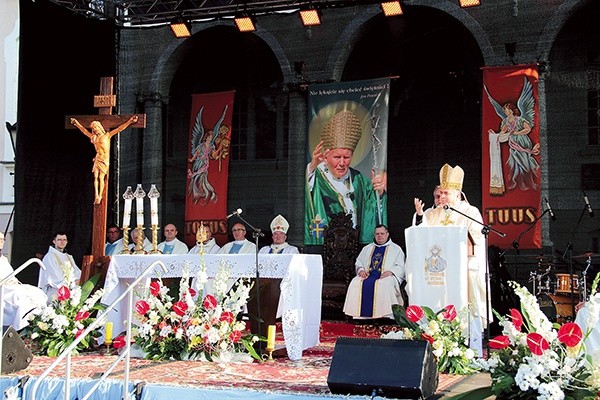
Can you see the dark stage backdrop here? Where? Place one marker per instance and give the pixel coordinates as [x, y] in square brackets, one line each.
[62, 57]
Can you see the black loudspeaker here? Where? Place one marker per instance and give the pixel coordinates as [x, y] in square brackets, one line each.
[404, 369]
[15, 354]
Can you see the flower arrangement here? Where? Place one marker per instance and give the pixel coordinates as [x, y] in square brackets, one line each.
[194, 327]
[55, 326]
[443, 330]
[533, 360]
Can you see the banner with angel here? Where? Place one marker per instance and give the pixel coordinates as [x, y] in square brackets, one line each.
[511, 154]
[208, 165]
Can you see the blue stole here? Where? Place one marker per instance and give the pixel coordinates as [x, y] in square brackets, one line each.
[110, 248]
[235, 248]
[368, 285]
[168, 249]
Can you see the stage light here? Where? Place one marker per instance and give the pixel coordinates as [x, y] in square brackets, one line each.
[391, 8]
[181, 28]
[469, 3]
[245, 23]
[310, 17]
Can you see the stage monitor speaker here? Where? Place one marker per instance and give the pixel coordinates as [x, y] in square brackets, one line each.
[15, 354]
[404, 369]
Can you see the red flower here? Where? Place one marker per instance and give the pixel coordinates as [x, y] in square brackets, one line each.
[119, 342]
[449, 312]
[155, 288]
[180, 308]
[81, 315]
[414, 313]
[64, 293]
[192, 292]
[142, 307]
[570, 334]
[79, 332]
[227, 316]
[499, 342]
[537, 344]
[210, 302]
[517, 318]
[428, 338]
[235, 336]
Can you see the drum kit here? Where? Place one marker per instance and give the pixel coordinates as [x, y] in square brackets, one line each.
[554, 291]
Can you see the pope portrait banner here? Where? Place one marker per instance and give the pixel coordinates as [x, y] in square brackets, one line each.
[208, 165]
[511, 176]
[347, 116]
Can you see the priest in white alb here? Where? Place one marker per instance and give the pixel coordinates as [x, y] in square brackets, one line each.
[379, 274]
[60, 270]
[19, 299]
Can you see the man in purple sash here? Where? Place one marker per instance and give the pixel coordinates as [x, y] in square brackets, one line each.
[379, 273]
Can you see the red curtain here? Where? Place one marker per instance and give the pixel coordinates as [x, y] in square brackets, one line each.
[208, 165]
[511, 166]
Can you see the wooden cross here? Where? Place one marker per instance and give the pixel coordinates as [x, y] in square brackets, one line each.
[105, 102]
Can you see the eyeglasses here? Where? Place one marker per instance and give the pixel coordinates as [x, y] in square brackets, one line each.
[238, 229]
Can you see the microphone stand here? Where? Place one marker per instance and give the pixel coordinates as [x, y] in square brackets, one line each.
[515, 243]
[256, 234]
[486, 228]
[569, 250]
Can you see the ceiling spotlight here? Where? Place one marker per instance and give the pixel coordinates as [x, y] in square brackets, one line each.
[245, 23]
[391, 8]
[469, 3]
[310, 17]
[181, 28]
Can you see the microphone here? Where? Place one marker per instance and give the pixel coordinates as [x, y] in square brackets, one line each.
[549, 209]
[236, 212]
[587, 205]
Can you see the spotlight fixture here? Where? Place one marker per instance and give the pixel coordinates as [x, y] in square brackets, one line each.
[245, 23]
[391, 8]
[181, 28]
[469, 3]
[310, 17]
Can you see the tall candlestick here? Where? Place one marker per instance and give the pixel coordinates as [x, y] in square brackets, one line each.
[271, 337]
[139, 204]
[128, 196]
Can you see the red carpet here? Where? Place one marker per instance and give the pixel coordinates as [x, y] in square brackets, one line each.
[307, 376]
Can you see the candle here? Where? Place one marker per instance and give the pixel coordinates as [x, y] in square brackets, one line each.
[139, 204]
[127, 213]
[128, 196]
[108, 333]
[154, 195]
[271, 337]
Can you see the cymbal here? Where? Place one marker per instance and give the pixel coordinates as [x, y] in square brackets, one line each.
[587, 255]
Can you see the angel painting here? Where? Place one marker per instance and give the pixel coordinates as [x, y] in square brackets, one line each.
[517, 121]
[203, 144]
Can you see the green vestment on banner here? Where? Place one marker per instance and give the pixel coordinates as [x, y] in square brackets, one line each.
[324, 201]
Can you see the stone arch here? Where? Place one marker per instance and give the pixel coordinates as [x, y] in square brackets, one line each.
[341, 51]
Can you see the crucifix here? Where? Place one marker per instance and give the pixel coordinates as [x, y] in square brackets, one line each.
[100, 129]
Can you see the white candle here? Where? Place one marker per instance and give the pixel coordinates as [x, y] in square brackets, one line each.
[127, 213]
[154, 211]
[139, 209]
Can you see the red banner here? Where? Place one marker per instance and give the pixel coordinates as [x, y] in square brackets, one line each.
[208, 165]
[511, 154]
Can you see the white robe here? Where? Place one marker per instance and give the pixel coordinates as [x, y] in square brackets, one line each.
[584, 319]
[387, 290]
[247, 247]
[53, 277]
[19, 299]
[283, 248]
[209, 248]
[179, 246]
[146, 246]
[115, 248]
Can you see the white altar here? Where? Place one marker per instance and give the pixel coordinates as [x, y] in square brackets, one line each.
[301, 285]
